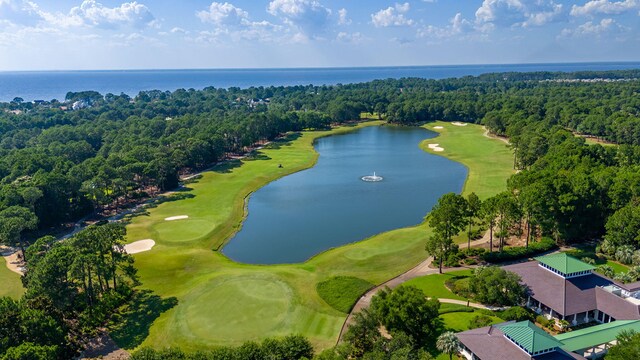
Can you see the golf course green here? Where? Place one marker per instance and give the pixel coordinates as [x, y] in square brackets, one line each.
[215, 301]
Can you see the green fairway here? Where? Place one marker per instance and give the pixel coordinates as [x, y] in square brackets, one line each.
[434, 285]
[489, 162]
[220, 302]
[11, 283]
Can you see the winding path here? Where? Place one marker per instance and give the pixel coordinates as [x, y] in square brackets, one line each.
[421, 269]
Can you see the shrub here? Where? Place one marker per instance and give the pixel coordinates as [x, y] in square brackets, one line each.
[453, 260]
[470, 261]
[479, 321]
[543, 321]
[624, 254]
[514, 253]
[516, 313]
[495, 286]
[606, 270]
[588, 260]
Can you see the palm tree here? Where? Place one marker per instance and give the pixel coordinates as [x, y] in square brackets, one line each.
[448, 343]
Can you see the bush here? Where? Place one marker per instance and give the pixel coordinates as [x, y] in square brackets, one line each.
[470, 261]
[479, 321]
[493, 285]
[453, 260]
[474, 251]
[516, 313]
[514, 253]
[543, 321]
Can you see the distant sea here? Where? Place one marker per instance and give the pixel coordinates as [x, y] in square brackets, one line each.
[48, 85]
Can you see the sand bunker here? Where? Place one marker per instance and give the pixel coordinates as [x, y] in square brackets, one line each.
[435, 147]
[14, 262]
[438, 127]
[457, 123]
[179, 217]
[139, 246]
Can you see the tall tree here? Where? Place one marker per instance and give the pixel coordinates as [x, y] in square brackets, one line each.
[14, 221]
[474, 205]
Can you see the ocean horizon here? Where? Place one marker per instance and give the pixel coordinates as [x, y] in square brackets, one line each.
[54, 84]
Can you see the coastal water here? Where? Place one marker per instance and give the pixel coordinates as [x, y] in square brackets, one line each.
[328, 205]
[47, 85]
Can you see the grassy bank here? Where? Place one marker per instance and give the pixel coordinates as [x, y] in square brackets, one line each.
[11, 283]
[205, 299]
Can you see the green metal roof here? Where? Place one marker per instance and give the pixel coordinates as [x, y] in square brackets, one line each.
[529, 336]
[564, 263]
[596, 335]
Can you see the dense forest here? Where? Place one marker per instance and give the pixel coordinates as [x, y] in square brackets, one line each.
[92, 154]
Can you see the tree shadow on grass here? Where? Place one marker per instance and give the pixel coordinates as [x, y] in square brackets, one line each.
[226, 166]
[284, 141]
[129, 328]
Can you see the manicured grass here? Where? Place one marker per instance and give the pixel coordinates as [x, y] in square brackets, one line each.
[342, 292]
[492, 159]
[589, 251]
[11, 285]
[434, 285]
[460, 321]
[617, 267]
[220, 302]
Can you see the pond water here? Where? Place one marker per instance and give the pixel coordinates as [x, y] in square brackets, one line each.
[328, 205]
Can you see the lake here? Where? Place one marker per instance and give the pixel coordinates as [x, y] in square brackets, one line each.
[47, 85]
[328, 205]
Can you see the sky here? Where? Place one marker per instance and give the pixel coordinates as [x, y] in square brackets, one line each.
[182, 34]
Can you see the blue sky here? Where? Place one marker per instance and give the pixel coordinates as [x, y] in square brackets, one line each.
[106, 34]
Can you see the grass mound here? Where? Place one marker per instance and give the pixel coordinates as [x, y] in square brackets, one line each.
[342, 292]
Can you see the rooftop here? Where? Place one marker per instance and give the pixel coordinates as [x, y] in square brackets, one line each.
[530, 337]
[596, 335]
[564, 263]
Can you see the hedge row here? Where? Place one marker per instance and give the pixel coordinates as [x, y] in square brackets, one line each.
[514, 253]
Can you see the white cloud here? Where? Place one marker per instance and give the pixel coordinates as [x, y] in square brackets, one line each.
[606, 26]
[219, 14]
[607, 7]
[523, 13]
[19, 12]
[309, 17]
[392, 16]
[353, 38]
[343, 18]
[231, 22]
[94, 14]
[457, 25]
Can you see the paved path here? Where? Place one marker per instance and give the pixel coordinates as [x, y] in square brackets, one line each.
[421, 269]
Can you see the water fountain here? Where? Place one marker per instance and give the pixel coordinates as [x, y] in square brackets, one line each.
[372, 178]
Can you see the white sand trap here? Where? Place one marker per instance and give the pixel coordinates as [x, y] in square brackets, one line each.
[139, 246]
[457, 123]
[435, 147]
[14, 264]
[438, 127]
[179, 217]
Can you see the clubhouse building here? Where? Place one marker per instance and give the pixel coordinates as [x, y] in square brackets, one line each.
[560, 288]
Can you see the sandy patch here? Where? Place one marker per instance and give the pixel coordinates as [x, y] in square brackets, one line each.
[179, 217]
[457, 123]
[14, 262]
[435, 147]
[438, 127]
[139, 246]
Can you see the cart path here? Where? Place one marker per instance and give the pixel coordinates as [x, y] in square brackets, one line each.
[421, 269]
